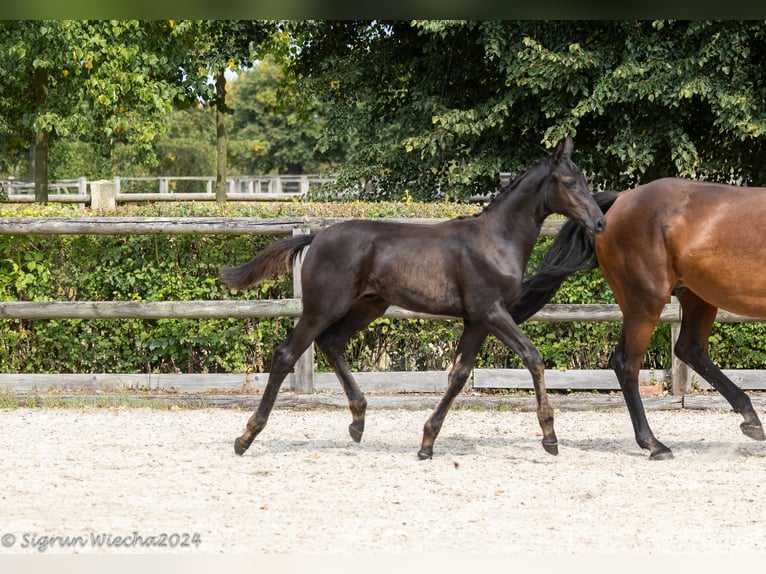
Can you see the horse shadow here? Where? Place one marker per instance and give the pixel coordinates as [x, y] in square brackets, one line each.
[506, 445]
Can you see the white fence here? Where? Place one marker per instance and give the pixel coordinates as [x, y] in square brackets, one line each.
[238, 188]
[164, 188]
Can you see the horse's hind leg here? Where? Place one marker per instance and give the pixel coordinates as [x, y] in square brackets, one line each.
[470, 343]
[692, 349]
[332, 342]
[285, 356]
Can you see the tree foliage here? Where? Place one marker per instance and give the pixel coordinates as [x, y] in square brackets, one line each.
[422, 109]
[103, 81]
[228, 45]
[272, 128]
[440, 108]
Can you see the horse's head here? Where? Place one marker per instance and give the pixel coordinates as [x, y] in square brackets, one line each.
[566, 191]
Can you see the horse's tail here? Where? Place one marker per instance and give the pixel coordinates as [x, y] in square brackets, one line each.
[273, 261]
[572, 250]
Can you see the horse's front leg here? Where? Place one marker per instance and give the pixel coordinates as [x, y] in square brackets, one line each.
[626, 362]
[543, 407]
[502, 325]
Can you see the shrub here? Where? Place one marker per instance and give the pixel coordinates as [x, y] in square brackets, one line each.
[185, 267]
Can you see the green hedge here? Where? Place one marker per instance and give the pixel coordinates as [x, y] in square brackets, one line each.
[183, 267]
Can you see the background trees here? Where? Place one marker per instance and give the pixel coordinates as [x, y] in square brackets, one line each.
[101, 81]
[221, 45]
[273, 129]
[440, 108]
[424, 109]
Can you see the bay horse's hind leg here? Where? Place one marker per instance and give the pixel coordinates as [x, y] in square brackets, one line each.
[692, 348]
[285, 356]
[332, 342]
[469, 345]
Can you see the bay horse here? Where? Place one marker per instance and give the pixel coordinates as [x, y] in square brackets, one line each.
[469, 267]
[700, 241]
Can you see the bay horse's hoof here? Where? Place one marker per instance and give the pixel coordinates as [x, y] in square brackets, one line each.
[425, 454]
[355, 432]
[551, 447]
[753, 431]
[240, 447]
[662, 454]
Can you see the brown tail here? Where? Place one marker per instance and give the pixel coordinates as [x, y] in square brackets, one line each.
[273, 261]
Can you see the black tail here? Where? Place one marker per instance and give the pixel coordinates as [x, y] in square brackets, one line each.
[274, 260]
[572, 250]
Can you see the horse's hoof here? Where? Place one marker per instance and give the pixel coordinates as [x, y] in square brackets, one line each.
[355, 432]
[239, 446]
[425, 454]
[551, 447]
[753, 431]
[661, 454]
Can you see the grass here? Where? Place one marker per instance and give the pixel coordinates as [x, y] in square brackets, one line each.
[100, 400]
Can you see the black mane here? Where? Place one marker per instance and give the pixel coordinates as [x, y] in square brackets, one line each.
[507, 188]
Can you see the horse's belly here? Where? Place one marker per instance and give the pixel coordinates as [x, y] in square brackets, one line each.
[723, 262]
[427, 296]
[741, 291]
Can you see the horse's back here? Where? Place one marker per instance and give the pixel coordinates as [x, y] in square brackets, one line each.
[415, 266]
[708, 236]
[360, 237]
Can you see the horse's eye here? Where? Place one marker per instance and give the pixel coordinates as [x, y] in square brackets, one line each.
[571, 184]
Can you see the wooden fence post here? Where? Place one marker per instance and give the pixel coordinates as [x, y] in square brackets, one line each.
[304, 367]
[103, 194]
[680, 380]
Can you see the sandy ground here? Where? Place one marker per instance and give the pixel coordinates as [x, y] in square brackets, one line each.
[133, 480]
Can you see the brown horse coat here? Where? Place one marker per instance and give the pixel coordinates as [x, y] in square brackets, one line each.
[702, 242]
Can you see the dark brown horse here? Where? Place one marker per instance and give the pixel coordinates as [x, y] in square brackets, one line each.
[468, 267]
[702, 242]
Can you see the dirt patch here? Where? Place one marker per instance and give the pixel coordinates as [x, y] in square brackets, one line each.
[106, 480]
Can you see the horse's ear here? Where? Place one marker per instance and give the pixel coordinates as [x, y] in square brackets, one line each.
[563, 149]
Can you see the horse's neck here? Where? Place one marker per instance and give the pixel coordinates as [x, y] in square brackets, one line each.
[519, 212]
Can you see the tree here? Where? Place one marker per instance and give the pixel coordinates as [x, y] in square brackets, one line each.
[103, 81]
[230, 45]
[188, 148]
[272, 128]
[27, 109]
[441, 107]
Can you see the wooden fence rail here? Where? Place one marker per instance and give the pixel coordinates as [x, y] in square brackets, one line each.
[185, 225]
[304, 379]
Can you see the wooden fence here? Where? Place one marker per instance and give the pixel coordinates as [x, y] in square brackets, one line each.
[304, 380]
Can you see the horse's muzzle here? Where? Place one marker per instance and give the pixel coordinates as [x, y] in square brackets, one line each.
[600, 226]
[595, 226]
